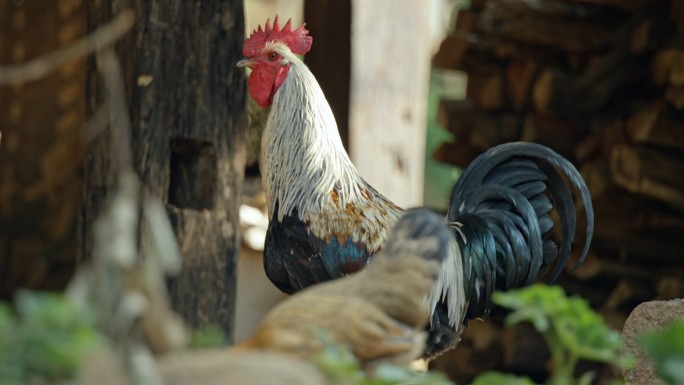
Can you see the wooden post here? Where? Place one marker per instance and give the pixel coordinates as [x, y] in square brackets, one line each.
[390, 69]
[41, 157]
[187, 103]
[329, 22]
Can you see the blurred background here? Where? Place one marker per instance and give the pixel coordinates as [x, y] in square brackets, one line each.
[418, 90]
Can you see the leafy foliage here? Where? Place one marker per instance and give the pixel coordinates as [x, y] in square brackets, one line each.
[666, 349]
[48, 337]
[572, 330]
[339, 364]
[494, 378]
[209, 337]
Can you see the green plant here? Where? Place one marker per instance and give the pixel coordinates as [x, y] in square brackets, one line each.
[47, 337]
[211, 336]
[665, 348]
[572, 330]
[339, 364]
[495, 378]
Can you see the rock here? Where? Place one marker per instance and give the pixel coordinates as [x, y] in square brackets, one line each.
[648, 316]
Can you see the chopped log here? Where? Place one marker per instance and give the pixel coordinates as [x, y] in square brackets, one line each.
[674, 96]
[459, 153]
[626, 295]
[648, 34]
[457, 116]
[597, 177]
[567, 94]
[485, 89]
[576, 28]
[670, 286]
[677, 13]
[599, 145]
[553, 90]
[602, 267]
[649, 172]
[639, 231]
[491, 130]
[561, 135]
[519, 77]
[453, 50]
[654, 125]
[625, 5]
[479, 129]
[668, 67]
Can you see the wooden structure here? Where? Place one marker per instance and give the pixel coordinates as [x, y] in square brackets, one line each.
[42, 149]
[187, 103]
[387, 108]
[601, 83]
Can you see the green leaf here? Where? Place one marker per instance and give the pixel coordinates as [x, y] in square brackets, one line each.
[496, 378]
[666, 349]
[210, 336]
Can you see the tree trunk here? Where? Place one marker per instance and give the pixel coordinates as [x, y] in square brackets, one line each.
[187, 107]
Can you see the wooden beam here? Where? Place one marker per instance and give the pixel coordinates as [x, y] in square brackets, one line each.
[388, 100]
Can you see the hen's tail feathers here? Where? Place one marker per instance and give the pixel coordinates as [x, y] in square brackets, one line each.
[420, 232]
[502, 204]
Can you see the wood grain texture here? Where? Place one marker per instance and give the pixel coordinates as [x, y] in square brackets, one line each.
[389, 85]
[187, 106]
[42, 150]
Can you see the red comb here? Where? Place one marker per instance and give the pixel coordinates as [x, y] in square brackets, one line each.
[297, 40]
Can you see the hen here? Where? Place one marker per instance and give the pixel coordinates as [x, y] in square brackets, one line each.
[326, 221]
[379, 313]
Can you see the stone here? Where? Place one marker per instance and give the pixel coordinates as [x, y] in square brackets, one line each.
[648, 316]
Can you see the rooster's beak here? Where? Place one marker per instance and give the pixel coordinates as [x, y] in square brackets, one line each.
[245, 63]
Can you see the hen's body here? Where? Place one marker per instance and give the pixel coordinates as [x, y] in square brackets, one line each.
[378, 313]
[326, 221]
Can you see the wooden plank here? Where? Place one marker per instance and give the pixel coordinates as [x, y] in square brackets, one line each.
[187, 108]
[388, 99]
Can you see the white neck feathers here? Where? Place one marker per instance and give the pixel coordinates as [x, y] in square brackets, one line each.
[302, 157]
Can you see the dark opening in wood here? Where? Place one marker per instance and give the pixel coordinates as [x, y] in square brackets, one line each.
[193, 174]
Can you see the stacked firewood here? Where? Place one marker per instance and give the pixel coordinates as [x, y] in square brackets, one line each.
[602, 83]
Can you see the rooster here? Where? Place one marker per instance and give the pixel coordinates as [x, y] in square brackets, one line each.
[326, 221]
[379, 313]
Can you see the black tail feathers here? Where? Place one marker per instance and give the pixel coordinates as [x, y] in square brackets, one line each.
[503, 202]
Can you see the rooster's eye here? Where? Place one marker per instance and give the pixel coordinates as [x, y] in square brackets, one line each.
[272, 56]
